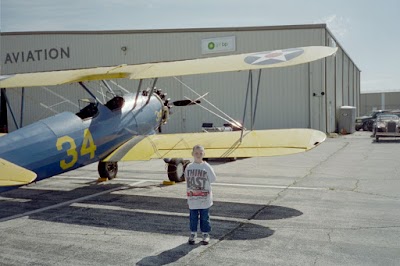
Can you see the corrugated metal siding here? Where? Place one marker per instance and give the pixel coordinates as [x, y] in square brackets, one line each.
[285, 94]
[351, 84]
[392, 100]
[345, 81]
[339, 79]
[317, 87]
[105, 49]
[355, 88]
[359, 87]
[331, 94]
[370, 102]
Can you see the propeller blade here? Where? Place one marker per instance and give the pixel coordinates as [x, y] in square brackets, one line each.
[185, 102]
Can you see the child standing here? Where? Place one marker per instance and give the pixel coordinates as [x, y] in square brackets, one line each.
[199, 176]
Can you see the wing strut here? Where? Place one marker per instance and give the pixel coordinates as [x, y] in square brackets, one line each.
[108, 87]
[249, 84]
[10, 109]
[137, 93]
[253, 110]
[88, 91]
[3, 112]
[22, 107]
[152, 89]
[255, 105]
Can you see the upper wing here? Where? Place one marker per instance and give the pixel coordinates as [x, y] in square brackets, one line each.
[269, 59]
[256, 143]
[14, 175]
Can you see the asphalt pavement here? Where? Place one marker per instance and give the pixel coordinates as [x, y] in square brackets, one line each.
[338, 204]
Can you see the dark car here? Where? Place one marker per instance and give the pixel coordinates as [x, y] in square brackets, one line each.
[396, 112]
[366, 122]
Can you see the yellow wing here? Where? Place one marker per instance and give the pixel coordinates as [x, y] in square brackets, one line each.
[269, 59]
[256, 143]
[14, 175]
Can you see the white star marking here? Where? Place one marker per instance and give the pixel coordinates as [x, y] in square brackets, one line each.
[276, 55]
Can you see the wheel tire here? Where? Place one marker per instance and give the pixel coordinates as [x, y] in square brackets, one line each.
[377, 138]
[176, 169]
[232, 159]
[108, 169]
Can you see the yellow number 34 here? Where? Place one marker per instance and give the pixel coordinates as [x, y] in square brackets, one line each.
[88, 147]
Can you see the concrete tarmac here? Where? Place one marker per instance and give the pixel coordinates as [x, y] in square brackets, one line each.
[338, 204]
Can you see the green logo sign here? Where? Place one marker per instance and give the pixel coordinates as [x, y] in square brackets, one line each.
[211, 45]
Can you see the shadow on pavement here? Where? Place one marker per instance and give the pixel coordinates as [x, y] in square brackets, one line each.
[140, 213]
[168, 256]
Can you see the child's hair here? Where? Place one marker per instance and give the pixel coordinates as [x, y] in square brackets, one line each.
[198, 147]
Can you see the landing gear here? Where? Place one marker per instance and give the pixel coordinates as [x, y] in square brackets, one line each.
[108, 169]
[176, 169]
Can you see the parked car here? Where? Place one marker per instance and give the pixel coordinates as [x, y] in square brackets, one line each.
[386, 125]
[395, 112]
[366, 122]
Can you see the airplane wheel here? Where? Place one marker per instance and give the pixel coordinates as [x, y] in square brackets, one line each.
[377, 138]
[108, 169]
[176, 169]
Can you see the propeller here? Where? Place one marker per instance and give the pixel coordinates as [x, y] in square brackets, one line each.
[185, 102]
[180, 103]
[189, 101]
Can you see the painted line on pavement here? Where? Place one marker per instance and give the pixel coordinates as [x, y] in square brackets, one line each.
[68, 202]
[214, 184]
[175, 214]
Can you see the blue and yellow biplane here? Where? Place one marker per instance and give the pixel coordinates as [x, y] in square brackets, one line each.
[123, 129]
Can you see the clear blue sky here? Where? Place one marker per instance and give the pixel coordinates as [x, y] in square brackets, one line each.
[368, 30]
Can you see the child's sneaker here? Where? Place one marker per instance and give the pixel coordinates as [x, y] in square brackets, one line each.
[206, 238]
[192, 238]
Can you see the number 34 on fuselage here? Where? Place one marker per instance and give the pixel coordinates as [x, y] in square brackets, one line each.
[68, 141]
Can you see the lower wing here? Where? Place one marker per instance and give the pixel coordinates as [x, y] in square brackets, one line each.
[14, 175]
[256, 143]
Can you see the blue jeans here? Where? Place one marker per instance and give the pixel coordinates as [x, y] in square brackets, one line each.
[205, 225]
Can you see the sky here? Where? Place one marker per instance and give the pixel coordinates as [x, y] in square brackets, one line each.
[367, 29]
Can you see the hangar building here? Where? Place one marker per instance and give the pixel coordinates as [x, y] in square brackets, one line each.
[379, 100]
[306, 96]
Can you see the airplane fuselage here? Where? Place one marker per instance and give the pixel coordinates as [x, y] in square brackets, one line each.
[66, 142]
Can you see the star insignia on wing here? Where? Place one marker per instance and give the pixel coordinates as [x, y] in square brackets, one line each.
[273, 57]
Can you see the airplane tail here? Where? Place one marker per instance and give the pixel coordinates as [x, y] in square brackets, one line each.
[14, 175]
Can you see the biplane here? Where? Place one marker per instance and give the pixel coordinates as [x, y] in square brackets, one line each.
[124, 128]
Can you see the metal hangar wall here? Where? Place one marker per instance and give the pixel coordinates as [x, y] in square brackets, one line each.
[306, 96]
[379, 100]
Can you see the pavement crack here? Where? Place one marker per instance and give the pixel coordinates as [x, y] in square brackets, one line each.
[329, 236]
[311, 171]
[376, 194]
[356, 185]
